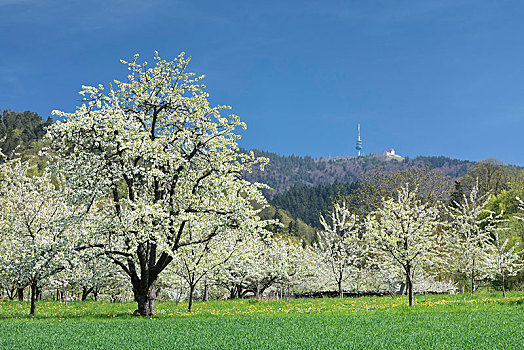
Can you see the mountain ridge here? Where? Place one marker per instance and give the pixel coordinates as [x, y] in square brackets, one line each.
[283, 172]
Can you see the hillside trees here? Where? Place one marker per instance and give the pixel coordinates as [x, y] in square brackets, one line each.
[431, 186]
[22, 129]
[151, 157]
[490, 176]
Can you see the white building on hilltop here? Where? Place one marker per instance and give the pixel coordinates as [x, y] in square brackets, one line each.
[391, 153]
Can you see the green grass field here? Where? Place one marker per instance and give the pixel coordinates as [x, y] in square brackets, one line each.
[486, 321]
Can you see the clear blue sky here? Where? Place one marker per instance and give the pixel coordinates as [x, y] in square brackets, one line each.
[426, 78]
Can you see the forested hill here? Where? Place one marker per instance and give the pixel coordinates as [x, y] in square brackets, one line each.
[21, 132]
[286, 171]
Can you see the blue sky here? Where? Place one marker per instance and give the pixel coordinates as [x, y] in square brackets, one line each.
[426, 78]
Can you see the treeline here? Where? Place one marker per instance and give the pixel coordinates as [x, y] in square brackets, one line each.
[283, 172]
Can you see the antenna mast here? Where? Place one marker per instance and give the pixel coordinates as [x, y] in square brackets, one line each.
[359, 142]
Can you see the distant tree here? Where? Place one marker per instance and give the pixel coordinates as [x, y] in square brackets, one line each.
[405, 229]
[36, 226]
[503, 260]
[470, 231]
[341, 244]
[430, 186]
[489, 175]
[457, 195]
[195, 263]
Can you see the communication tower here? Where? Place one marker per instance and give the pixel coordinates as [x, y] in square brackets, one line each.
[359, 142]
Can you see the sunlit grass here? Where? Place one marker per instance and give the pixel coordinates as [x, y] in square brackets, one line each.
[436, 322]
[424, 303]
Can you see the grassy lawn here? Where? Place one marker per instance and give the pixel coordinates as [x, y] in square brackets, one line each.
[486, 321]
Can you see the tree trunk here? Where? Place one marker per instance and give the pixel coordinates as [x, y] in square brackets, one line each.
[240, 291]
[34, 287]
[20, 294]
[402, 290]
[191, 292]
[205, 297]
[340, 292]
[409, 282]
[503, 286]
[85, 292]
[11, 292]
[145, 297]
[179, 295]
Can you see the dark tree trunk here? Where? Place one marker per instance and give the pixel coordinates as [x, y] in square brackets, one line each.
[11, 292]
[239, 292]
[409, 282]
[191, 292]
[340, 292]
[145, 297]
[34, 287]
[96, 291]
[85, 292]
[59, 295]
[144, 284]
[20, 294]
[205, 297]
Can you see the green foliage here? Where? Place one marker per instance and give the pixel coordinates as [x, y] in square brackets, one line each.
[24, 130]
[292, 226]
[493, 176]
[307, 203]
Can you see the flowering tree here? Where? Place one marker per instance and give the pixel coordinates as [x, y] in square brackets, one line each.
[152, 158]
[195, 262]
[250, 269]
[9, 281]
[33, 214]
[469, 238]
[91, 274]
[292, 261]
[503, 259]
[341, 244]
[405, 229]
[263, 261]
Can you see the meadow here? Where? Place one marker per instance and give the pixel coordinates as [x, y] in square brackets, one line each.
[485, 321]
